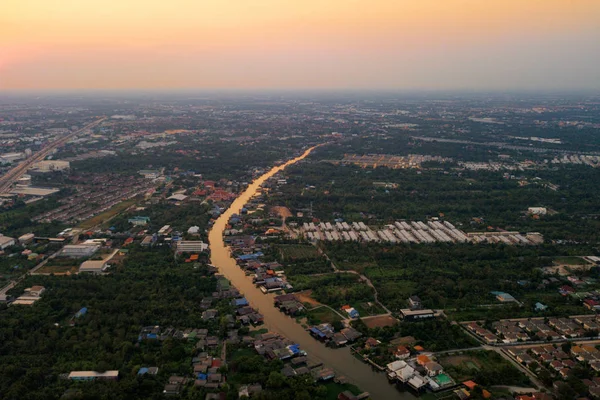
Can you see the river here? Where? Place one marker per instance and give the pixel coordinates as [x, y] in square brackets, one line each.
[340, 360]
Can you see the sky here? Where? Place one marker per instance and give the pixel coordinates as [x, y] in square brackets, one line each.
[300, 44]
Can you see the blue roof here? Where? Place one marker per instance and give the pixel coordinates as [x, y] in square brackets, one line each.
[241, 302]
[245, 257]
[81, 312]
[317, 332]
[143, 371]
[202, 377]
[295, 348]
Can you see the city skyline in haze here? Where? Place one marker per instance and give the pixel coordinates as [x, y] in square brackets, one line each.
[310, 44]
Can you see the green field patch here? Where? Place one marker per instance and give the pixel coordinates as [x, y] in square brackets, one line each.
[106, 215]
[295, 252]
[485, 367]
[58, 269]
[322, 315]
[570, 260]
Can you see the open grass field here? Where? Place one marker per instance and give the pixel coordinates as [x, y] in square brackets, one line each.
[368, 309]
[293, 252]
[58, 269]
[489, 367]
[570, 261]
[106, 215]
[322, 315]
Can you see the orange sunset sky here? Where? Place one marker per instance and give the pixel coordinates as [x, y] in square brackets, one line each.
[321, 44]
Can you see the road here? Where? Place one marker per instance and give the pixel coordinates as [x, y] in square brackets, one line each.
[13, 283]
[363, 278]
[7, 180]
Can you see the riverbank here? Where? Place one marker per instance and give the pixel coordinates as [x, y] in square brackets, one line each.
[341, 361]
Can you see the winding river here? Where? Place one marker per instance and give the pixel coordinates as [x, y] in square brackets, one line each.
[340, 360]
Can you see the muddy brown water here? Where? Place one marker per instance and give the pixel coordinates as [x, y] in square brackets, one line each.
[340, 360]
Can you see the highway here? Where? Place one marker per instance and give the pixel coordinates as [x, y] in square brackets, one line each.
[7, 180]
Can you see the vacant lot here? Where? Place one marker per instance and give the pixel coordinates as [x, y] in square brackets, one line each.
[106, 215]
[283, 212]
[380, 322]
[305, 297]
[486, 367]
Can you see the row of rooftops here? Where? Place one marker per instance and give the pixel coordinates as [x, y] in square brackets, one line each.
[522, 330]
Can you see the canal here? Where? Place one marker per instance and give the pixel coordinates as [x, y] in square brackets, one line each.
[341, 360]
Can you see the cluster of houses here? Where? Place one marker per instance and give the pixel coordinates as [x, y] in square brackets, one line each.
[535, 329]
[574, 288]
[246, 314]
[296, 362]
[561, 361]
[419, 373]
[327, 334]
[207, 371]
[158, 333]
[268, 276]
[289, 304]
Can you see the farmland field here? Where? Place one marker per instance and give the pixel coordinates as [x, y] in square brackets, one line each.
[292, 252]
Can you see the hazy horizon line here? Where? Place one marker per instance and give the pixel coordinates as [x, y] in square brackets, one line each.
[320, 90]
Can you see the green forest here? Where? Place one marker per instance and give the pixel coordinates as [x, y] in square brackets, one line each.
[38, 345]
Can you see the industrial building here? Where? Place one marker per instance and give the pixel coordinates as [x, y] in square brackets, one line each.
[93, 375]
[79, 250]
[34, 191]
[413, 232]
[51, 166]
[93, 266]
[139, 221]
[191, 246]
[416, 315]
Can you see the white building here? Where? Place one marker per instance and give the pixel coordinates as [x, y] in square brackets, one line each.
[191, 246]
[11, 157]
[149, 173]
[537, 210]
[51, 165]
[194, 230]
